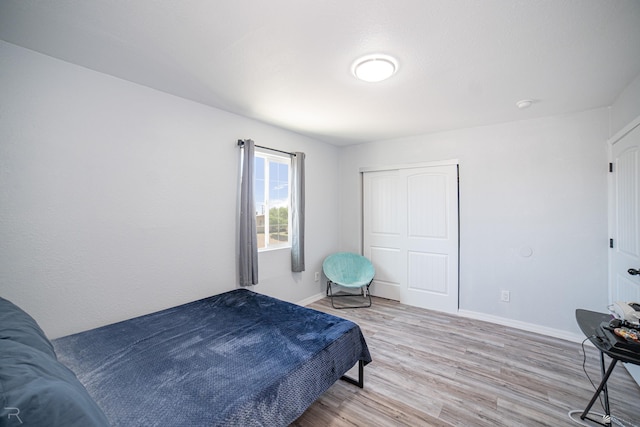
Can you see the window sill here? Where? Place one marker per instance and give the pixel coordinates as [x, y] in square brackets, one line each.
[279, 248]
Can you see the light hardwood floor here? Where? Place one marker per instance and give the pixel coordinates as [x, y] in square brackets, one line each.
[434, 369]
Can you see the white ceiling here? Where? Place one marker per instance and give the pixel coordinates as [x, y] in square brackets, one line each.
[288, 62]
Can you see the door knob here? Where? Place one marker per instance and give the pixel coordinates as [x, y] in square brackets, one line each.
[633, 271]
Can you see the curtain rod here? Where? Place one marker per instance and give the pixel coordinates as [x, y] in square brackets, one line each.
[241, 144]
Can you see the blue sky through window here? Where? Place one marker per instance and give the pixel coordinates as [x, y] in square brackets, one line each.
[278, 184]
[259, 187]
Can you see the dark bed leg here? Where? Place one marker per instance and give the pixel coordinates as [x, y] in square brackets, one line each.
[360, 381]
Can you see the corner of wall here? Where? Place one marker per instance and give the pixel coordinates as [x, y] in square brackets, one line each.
[626, 107]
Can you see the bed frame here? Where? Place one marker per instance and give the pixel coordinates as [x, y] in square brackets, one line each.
[239, 358]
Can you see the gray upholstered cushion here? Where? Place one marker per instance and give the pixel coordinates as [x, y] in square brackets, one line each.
[17, 325]
[36, 389]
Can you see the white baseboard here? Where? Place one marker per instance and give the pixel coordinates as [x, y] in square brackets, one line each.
[529, 327]
[311, 299]
[634, 370]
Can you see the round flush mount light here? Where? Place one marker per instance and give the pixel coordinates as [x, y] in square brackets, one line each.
[524, 103]
[374, 68]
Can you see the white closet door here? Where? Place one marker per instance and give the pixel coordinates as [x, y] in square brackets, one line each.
[411, 235]
[382, 231]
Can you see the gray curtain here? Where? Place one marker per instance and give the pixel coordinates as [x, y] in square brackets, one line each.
[297, 212]
[248, 259]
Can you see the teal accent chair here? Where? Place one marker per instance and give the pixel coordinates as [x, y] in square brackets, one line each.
[348, 270]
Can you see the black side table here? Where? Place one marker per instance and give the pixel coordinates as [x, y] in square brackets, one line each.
[589, 322]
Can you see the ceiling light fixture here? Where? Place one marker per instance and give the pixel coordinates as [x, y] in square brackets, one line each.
[374, 68]
[524, 103]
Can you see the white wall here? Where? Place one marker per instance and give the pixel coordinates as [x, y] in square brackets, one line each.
[626, 107]
[538, 184]
[118, 200]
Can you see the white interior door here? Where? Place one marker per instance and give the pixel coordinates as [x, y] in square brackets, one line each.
[382, 231]
[410, 234]
[625, 254]
[625, 223]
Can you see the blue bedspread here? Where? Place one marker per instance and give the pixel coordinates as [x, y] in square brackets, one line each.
[239, 358]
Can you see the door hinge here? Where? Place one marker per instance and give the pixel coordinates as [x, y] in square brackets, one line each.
[611, 243]
[610, 167]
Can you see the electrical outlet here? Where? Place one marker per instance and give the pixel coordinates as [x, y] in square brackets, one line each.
[505, 296]
[316, 276]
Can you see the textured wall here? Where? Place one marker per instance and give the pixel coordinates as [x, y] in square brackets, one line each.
[626, 108]
[118, 200]
[533, 212]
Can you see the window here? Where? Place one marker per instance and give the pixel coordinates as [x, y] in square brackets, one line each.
[272, 200]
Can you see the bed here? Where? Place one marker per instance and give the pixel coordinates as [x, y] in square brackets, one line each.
[238, 358]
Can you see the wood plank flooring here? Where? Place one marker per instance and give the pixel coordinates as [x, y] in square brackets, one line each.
[434, 369]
